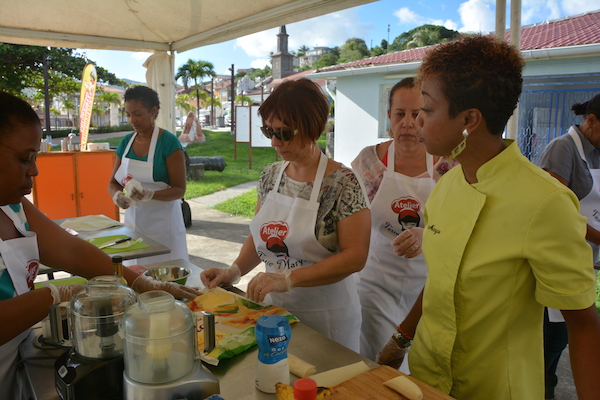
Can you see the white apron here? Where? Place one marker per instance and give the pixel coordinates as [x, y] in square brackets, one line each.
[589, 207]
[161, 221]
[284, 236]
[22, 261]
[389, 285]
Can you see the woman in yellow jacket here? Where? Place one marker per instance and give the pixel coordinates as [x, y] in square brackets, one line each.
[502, 240]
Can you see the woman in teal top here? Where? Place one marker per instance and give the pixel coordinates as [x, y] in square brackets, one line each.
[149, 177]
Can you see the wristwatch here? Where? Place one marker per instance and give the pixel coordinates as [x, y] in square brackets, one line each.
[402, 340]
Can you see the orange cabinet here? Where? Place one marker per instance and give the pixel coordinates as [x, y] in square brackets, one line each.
[74, 183]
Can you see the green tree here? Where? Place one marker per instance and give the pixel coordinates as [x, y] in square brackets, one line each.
[195, 71]
[69, 106]
[302, 50]
[326, 60]
[243, 100]
[105, 99]
[98, 111]
[424, 35]
[22, 67]
[354, 49]
[182, 102]
[55, 112]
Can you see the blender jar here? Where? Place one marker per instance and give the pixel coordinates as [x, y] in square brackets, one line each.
[159, 339]
[95, 316]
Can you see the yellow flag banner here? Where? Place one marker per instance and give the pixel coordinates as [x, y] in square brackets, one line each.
[86, 101]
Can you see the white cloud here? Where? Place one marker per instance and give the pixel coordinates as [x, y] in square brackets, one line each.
[327, 30]
[140, 55]
[575, 7]
[406, 16]
[477, 16]
[260, 63]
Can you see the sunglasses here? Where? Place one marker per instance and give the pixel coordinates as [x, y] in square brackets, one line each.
[285, 135]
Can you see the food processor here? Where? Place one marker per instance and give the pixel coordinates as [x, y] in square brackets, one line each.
[159, 335]
[93, 368]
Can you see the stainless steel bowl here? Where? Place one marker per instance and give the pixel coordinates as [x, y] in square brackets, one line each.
[170, 273]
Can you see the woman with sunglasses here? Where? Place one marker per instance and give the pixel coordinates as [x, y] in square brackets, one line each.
[398, 175]
[311, 227]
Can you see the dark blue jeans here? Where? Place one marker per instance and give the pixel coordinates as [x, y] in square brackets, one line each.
[555, 341]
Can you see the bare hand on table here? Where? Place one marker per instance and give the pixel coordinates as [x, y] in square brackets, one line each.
[408, 243]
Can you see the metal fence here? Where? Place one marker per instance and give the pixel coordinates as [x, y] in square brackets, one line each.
[545, 115]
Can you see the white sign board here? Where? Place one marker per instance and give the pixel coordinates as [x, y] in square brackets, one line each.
[258, 139]
[242, 124]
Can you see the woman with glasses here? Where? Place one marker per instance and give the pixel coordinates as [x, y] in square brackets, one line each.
[398, 175]
[28, 239]
[311, 228]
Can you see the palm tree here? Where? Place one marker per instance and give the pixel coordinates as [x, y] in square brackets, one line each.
[195, 71]
[242, 98]
[69, 106]
[109, 98]
[302, 50]
[183, 103]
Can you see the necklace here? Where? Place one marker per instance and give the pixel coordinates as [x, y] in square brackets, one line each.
[142, 141]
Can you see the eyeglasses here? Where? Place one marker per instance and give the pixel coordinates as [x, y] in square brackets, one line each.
[285, 135]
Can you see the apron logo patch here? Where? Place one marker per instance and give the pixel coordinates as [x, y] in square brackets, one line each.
[273, 233]
[32, 269]
[407, 208]
[126, 179]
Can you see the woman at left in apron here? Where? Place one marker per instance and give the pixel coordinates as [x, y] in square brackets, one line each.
[311, 228]
[153, 157]
[28, 238]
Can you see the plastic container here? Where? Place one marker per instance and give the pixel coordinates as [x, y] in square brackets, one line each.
[273, 334]
[305, 389]
[95, 315]
[159, 339]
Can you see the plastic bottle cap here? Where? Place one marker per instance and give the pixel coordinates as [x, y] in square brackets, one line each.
[305, 389]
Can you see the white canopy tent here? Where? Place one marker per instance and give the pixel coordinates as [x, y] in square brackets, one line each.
[160, 26]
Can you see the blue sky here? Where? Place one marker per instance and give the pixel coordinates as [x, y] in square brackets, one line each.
[368, 22]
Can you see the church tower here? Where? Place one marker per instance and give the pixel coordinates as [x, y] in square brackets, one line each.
[282, 62]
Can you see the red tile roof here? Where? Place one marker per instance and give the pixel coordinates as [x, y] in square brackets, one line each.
[570, 31]
[296, 75]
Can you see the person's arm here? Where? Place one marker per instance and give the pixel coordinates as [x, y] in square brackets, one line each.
[245, 262]
[354, 233]
[21, 312]
[584, 350]
[177, 177]
[113, 185]
[592, 234]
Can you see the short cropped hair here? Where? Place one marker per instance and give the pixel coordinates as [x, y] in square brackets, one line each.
[15, 111]
[477, 72]
[145, 95]
[299, 104]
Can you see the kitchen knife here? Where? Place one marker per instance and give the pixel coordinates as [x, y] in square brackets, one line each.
[102, 246]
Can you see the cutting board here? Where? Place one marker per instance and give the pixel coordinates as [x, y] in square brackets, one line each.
[369, 386]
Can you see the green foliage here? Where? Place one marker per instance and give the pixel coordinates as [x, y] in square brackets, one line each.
[424, 35]
[195, 71]
[326, 60]
[22, 67]
[255, 73]
[243, 100]
[354, 49]
[243, 205]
